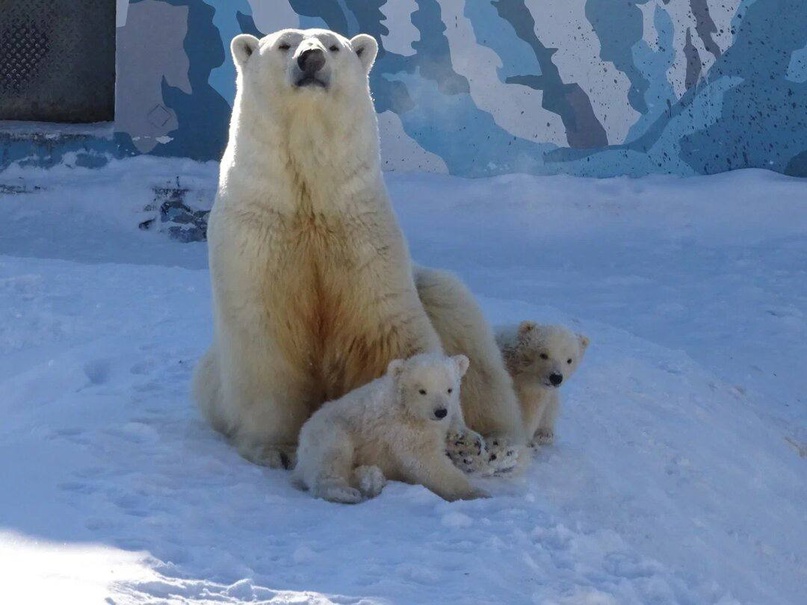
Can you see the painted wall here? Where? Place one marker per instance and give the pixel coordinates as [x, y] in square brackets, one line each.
[480, 87]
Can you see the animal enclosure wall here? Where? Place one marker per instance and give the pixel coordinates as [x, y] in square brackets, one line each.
[480, 87]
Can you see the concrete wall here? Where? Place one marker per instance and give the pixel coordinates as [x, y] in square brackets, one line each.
[480, 87]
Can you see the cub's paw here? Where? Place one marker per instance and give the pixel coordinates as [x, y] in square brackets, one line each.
[370, 480]
[476, 494]
[543, 437]
[343, 494]
[467, 450]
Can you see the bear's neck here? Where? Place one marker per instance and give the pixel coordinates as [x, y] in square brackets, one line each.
[322, 153]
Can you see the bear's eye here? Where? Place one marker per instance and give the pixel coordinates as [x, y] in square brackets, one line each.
[284, 46]
[569, 361]
[450, 391]
[422, 391]
[544, 356]
[333, 48]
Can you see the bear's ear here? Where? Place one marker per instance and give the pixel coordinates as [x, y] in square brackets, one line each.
[462, 363]
[242, 47]
[583, 340]
[525, 327]
[395, 368]
[366, 48]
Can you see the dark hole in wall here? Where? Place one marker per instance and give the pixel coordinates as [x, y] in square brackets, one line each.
[57, 60]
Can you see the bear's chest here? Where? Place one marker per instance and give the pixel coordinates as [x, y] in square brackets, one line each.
[318, 262]
[318, 275]
[317, 243]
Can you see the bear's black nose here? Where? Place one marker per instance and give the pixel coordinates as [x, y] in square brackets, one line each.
[555, 379]
[441, 413]
[311, 60]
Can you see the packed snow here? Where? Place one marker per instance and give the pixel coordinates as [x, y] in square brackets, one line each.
[679, 474]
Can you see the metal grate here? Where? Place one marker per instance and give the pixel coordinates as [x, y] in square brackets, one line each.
[57, 60]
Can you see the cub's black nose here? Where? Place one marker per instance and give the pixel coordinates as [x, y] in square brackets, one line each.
[441, 413]
[555, 379]
[311, 60]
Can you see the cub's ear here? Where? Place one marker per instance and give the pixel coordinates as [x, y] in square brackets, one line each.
[395, 368]
[462, 363]
[366, 48]
[242, 47]
[525, 327]
[583, 341]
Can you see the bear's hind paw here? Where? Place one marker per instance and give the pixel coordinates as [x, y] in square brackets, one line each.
[465, 448]
[503, 458]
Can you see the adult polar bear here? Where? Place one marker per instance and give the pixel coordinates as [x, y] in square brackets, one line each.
[313, 289]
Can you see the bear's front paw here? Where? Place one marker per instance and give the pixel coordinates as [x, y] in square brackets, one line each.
[467, 450]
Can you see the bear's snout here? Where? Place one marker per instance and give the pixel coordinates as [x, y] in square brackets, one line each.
[555, 379]
[440, 413]
[311, 60]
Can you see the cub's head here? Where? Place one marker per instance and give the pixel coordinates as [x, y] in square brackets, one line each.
[303, 63]
[544, 354]
[428, 385]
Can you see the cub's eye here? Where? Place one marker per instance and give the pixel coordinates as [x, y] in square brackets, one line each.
[569, 361]
[422, 391]
[544, 356]
[450, 391]
[285, 46]
[333, 48]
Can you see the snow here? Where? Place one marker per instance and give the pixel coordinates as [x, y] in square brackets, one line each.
[680, 470]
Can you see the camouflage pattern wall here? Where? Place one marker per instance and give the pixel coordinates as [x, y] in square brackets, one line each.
[482, 87]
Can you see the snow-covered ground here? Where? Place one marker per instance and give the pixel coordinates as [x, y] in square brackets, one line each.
[679, 475]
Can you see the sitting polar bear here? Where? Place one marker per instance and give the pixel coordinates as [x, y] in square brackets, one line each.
[540, 358]
[313, 290]
[392, 428]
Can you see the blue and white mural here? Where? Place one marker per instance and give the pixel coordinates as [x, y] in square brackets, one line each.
[481, 87]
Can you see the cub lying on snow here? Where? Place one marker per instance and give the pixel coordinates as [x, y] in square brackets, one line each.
[540, 358]
[394, 428]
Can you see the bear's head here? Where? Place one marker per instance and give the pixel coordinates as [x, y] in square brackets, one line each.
[428, 385]
[293, 65]
[545, 354]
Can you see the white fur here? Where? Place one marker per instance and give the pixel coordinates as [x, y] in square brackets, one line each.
[387, 429]
[489, 402]
[533, 353]
[313, 293]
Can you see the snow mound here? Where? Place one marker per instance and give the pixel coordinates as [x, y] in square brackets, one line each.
[678, 475]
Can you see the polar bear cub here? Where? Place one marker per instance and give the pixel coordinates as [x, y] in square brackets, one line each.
[393, 428]
[540, 358]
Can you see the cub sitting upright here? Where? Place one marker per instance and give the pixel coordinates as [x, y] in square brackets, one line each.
[313, 293]
[540, 358]
[392, 428]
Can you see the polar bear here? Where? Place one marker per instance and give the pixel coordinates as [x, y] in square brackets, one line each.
[392, 428]
[313, 290]
[540, 358]
[489, 402]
